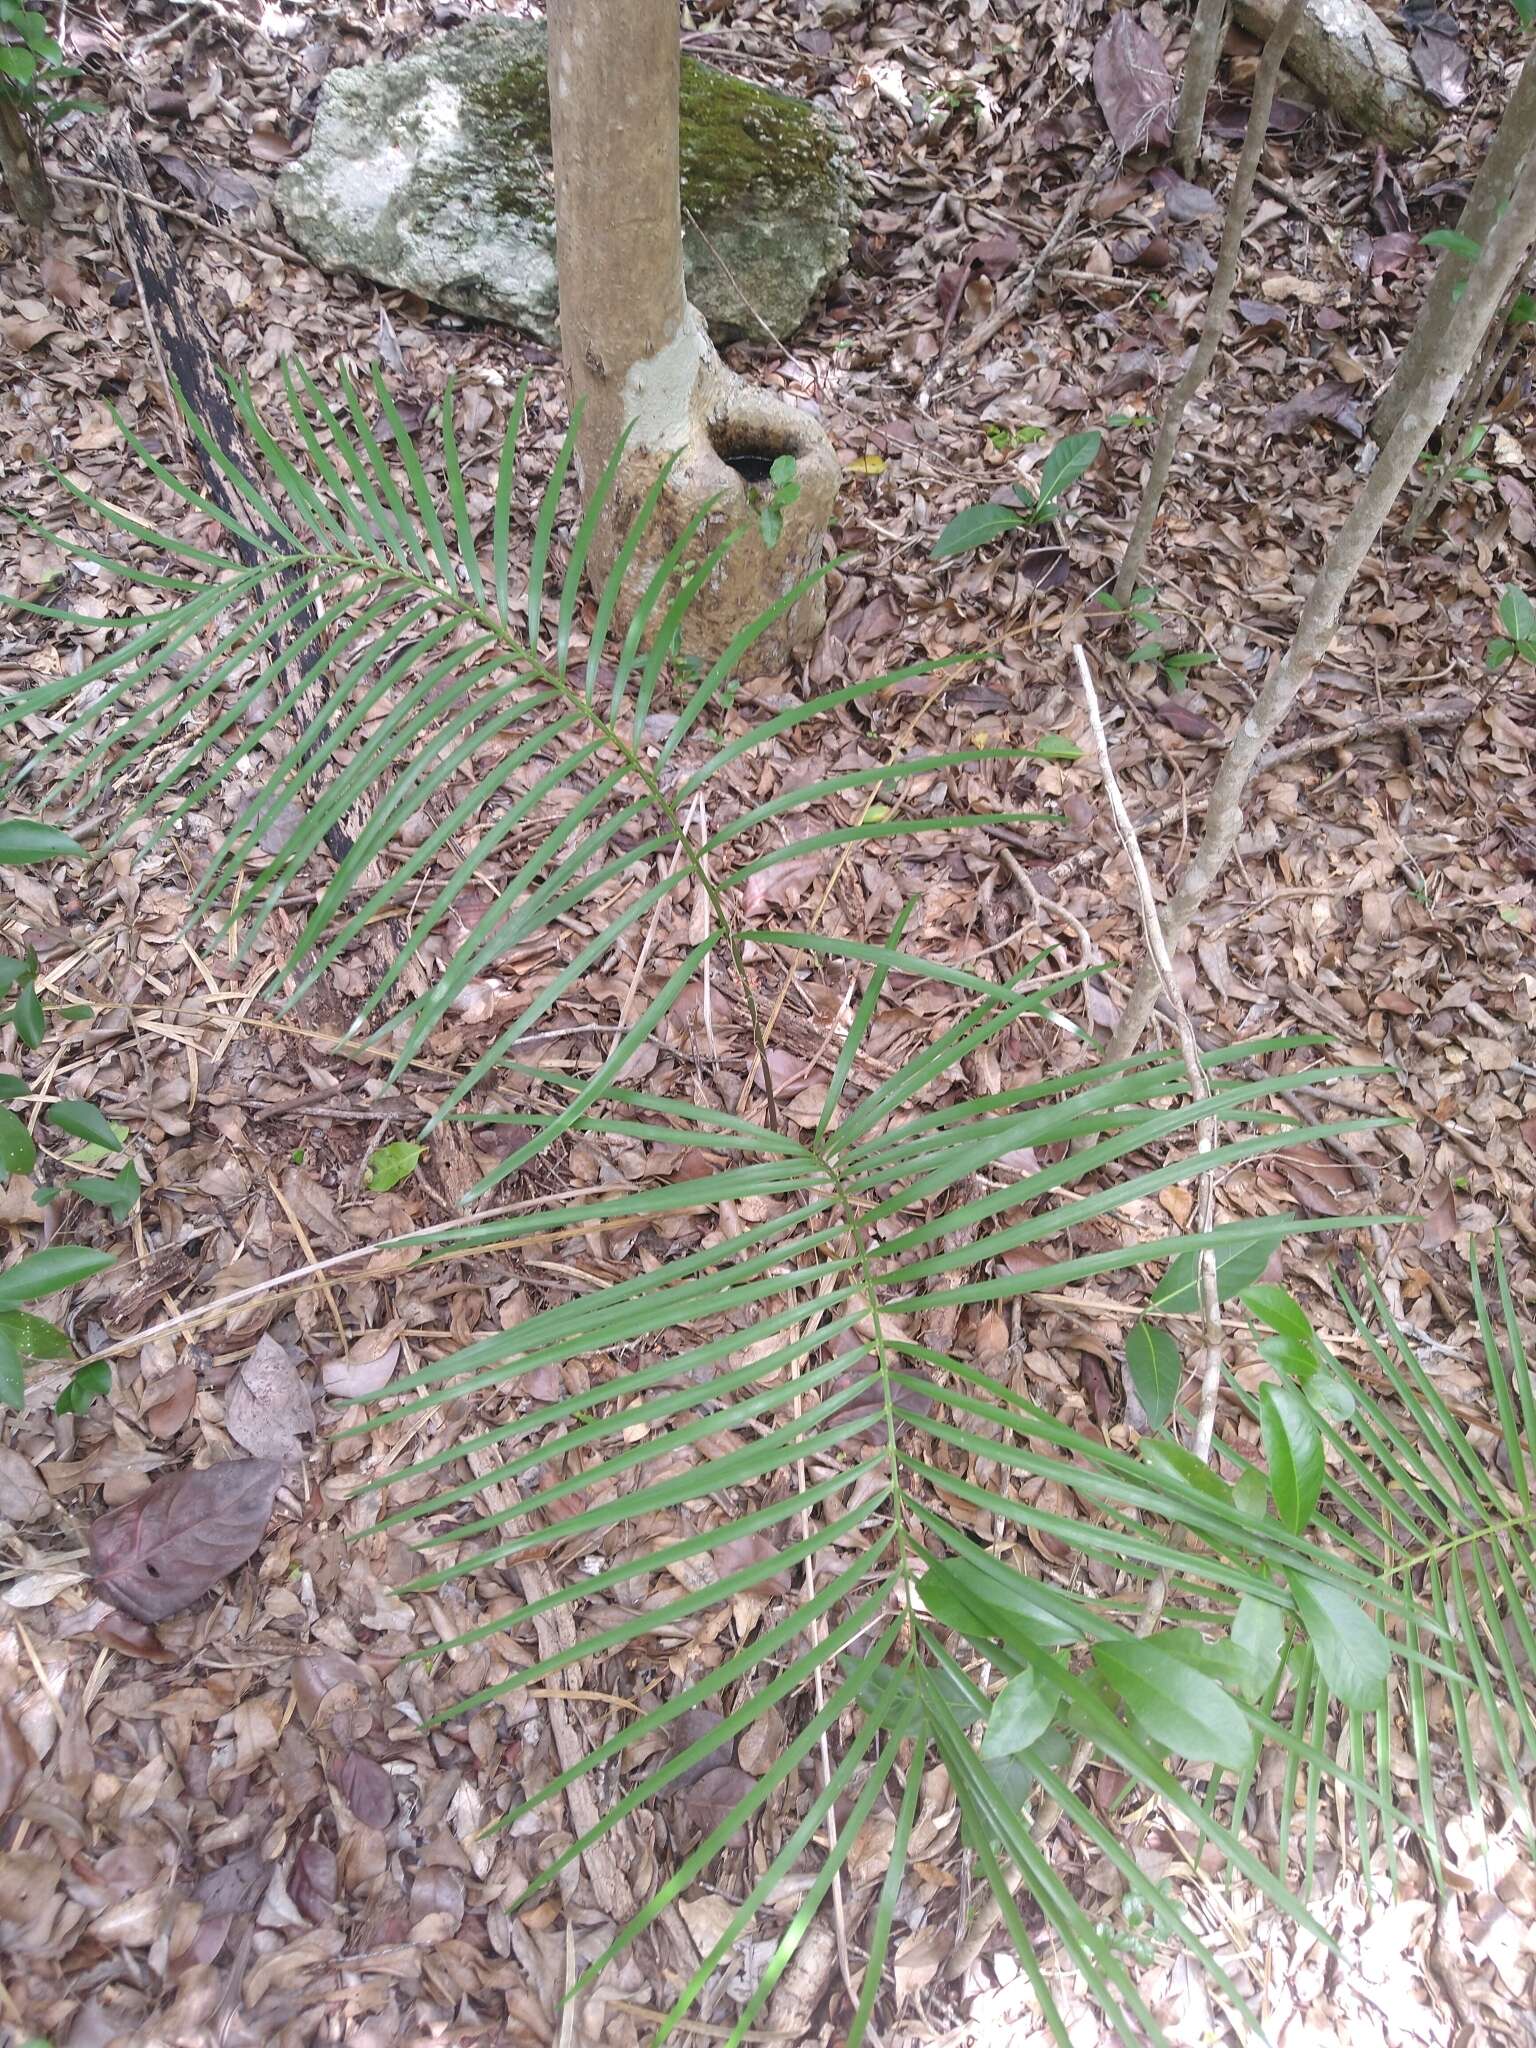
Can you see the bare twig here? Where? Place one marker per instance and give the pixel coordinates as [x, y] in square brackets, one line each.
[1446, 711]
[1200, 60]
[1022, 289]
[1222, 287]
[257, 243]
[1210, 1310]
[1189, 1048]
[1503, 254]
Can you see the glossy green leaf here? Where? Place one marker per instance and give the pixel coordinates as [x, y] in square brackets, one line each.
[13, 1385]
[1352, 1653]
[1020, 1715]
[33, 1337]
[84, 1387]
[29, 1017]
[1517, 614]
[18, 1153]
[23, 842]
[118, 1193]
[1454, 242]
[976, 527]
[83, 1120]
[393, 1163]
[1238, 1264]
[50, 1271]
[1156, 1368]
[1175, 1705]
[1068, 460]
[1279, 1311]
[1258, 1631]
[1293, 1445]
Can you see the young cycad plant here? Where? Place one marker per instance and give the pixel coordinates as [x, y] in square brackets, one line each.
[1441, 1506]
[780, 1418]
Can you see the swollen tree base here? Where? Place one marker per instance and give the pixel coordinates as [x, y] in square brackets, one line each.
[715, 437]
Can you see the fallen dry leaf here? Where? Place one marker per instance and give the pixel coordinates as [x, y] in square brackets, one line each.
[23, 1496]
[267, 1408]
[175, 1542]
[365, 1368]
[366, 1786]
[1132, 85]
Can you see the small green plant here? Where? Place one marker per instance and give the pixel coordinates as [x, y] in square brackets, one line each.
[32, 67]
[24, 1336]
[1008, 440]
[1177, 664]
[1517, 615]
[1069, 460]
[770, 513]
[392, 1164]
[32, 77]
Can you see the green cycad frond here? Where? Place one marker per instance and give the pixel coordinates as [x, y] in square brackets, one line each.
[781, 1414]
[1440, 1502]
[357, 666]
[771, 1393]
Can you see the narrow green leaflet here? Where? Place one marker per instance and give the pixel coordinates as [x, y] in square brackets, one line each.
[1155, 1365]
[1454, 242]
[24, 841]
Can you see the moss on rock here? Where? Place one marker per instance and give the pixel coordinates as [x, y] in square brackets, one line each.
[434, 173]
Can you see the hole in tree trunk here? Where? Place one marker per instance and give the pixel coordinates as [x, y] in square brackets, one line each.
[752, 465]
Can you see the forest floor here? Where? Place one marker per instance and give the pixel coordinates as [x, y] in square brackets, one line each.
[155, 1886]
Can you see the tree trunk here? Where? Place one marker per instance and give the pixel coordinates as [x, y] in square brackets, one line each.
[1490, 192]
[1446, 362]
[637, 356]
[1200, 61]
[24, 176]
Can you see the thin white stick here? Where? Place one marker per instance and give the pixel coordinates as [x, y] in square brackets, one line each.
[1189, 1048]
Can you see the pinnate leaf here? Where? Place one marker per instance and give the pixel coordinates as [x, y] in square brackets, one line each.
[175, 1542]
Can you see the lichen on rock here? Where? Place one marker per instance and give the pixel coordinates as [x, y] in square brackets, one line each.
[433, 173]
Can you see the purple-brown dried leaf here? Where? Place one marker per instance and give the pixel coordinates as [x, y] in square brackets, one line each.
[175, 1542]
